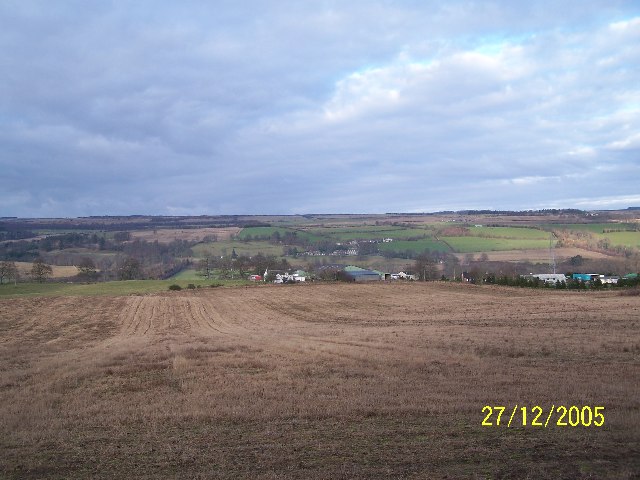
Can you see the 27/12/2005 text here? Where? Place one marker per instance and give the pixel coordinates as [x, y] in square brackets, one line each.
[536, 416]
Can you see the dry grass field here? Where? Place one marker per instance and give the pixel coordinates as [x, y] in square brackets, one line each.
[540, 255]
[58, 271]
[319, 381]
[167, 235]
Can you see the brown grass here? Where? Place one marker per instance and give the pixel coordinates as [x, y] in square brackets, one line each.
[539, 255]
[59, 271]
[318, 381]
[190, 234]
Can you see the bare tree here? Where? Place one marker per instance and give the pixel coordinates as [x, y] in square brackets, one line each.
[130, 269]
[87, 269]
[426, 267]
[9, 271]
[205, 267]
[40, 271]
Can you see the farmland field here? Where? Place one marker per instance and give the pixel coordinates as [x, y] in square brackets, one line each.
[627, 239]
[241, 248]
[121, 287]
[371, 232]
[484, 244]
[268, 231]
[318, 381]
[509, 232]
[416, 246]
[193, 234]
[537, 255]
[587, 227]
[57, 271]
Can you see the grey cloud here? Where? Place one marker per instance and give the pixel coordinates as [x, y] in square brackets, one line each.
[157, 107]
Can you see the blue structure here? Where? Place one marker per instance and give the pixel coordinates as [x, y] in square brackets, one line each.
[585, 277]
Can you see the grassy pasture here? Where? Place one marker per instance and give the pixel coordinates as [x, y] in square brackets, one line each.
[483, 244]
[375, 233]
[261, 231]
[242, 248]
[416, 246]
[125, 287]
[189, 275]
[627, 239]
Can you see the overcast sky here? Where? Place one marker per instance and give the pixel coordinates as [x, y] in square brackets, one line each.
[280, 107]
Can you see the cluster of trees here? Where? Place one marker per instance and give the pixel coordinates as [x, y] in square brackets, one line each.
[133, 259]
[289, 237]
[40, 271]
[16, 235]
[8, 272]
[239, 266]
[588, 241]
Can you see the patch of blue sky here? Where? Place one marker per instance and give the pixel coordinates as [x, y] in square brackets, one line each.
[495, 44]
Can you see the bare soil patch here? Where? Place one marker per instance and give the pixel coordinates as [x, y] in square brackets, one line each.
[317, 381]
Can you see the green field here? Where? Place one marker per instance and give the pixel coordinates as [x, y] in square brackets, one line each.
[188, 275]
[627, 239]
[125, 287]
[482, 244]
[371, 233]
[241, 248]
[415, 246]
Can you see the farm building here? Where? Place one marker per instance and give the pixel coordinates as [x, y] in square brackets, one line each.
[590, 277]
[550, 277]
[607, 279]
[357, 274]
[585, 277]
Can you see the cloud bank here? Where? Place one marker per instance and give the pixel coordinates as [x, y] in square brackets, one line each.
[296, 107]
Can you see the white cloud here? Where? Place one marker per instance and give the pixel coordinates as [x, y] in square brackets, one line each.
[628, 143]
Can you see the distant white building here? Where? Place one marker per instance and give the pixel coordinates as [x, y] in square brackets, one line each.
[551, 277]
[297, 276]
[609, 279]
[403, 276]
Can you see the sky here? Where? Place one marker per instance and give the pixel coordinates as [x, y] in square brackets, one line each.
[285, 107]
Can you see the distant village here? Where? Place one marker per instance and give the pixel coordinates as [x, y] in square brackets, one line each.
[332, 272]
[352, 273]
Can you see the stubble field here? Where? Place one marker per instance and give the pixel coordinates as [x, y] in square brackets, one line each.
[317, 381]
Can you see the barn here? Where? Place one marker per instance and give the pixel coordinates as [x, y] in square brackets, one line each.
[357, 274]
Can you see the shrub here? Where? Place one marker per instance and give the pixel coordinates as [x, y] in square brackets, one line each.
[191, 286]
[175, 287]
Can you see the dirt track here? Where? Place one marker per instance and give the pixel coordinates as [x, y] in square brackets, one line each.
[311, 379]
